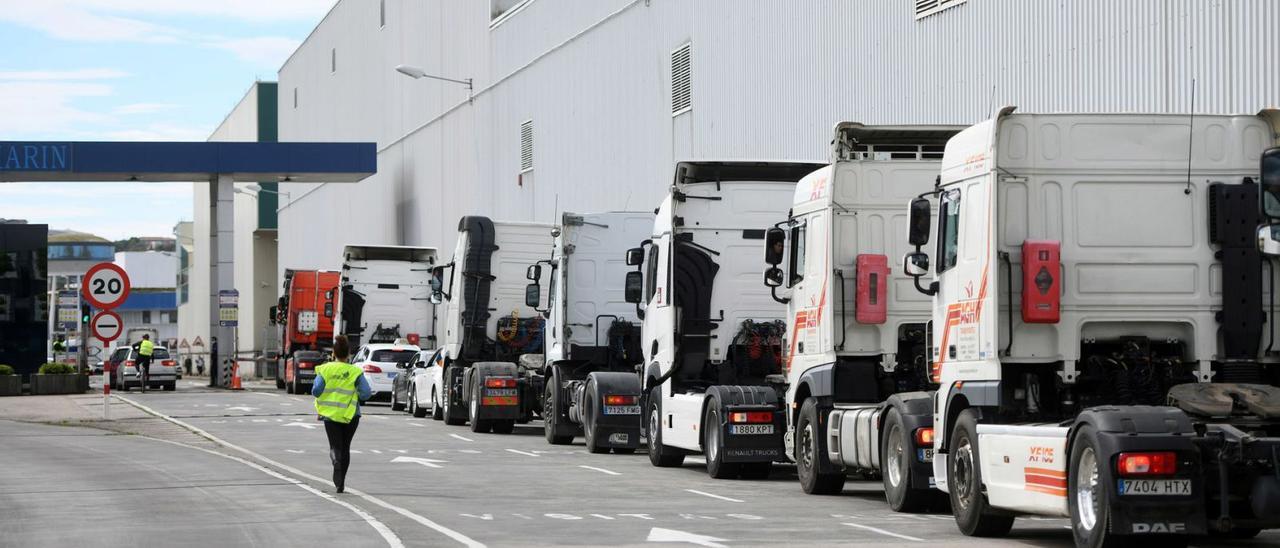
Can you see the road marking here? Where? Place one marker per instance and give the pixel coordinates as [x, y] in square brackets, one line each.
[429, 463]
[419, 425]
[460, 437]
[658, 534]
[244, 408]
[705, 494]
[387, 534]
[376, 451]
[425, 522]
[610, 472]
[267, 394]
[525, 453]
[402, 451]
[302, 424]
[470, 451]
[378, 417]
[296, 451]
[883, 532]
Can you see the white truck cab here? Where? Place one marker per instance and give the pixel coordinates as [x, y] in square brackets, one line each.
[1098, 313]
[711, 335]
[385, 294]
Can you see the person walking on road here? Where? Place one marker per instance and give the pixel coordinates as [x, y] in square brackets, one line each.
[145, 348]
[339, 388]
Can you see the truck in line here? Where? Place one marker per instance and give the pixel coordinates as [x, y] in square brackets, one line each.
[386, 295]
[1098, 317]
[592, 334]
[304, 315]
[487, 324]
[711, 336]
[858, 397]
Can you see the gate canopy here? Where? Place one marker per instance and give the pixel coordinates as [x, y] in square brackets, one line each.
[35, 161]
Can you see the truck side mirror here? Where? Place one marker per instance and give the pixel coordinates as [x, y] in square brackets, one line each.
[437, 285]
[773, 277]
[919, 222]
[635, 256]
[774, 243]
[916, 264]
[1269, 240]
[534, 272]
[634, 289]
[532, 295]
[1271, 183]
[271, 315]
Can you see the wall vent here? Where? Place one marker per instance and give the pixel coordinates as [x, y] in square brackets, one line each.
[526, 146]
[925, 8]
[681, 80]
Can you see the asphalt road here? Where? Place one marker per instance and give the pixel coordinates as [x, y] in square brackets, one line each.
[417, 482]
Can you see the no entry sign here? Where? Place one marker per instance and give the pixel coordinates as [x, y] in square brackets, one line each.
[106, 326]
[105, 286]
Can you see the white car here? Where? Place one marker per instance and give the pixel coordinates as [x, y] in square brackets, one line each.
[379, 360]
[425, 392]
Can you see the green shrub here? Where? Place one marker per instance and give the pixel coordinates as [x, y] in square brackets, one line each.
[5, 370]
[51, 368]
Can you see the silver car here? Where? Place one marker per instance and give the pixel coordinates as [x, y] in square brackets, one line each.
[163, 372]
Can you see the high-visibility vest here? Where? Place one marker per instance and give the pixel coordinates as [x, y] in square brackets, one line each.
[144, 349]
[339, 399]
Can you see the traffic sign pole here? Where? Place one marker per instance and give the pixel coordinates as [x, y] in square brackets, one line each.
[105, 286]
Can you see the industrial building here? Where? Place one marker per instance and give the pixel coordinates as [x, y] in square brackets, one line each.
[584, 105]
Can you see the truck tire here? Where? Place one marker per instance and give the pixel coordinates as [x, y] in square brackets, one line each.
[974, 515]
[436, 412]
[473, 411]
[660, 455]
[811, 451]
[1087, 499]
[448, 414]
[415, 408]
[590, 396]
[551, 407]
[713, 444]
[897, 450]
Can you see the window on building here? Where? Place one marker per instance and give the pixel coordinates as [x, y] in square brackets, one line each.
[333, 60]
[925, 8]
[382, 13]
[682, 79]
[173, 317]
[146, 316]
[526, 146]
[295, 98]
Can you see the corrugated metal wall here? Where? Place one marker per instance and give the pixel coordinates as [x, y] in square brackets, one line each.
[770, 79]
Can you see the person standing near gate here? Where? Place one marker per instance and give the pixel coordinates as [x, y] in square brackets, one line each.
[339, 388]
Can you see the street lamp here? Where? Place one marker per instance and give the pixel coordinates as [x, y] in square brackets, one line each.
[417, 73]
[253, 189]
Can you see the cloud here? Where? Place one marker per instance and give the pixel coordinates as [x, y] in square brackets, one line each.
[60, 75]
[61, 19]
[143, 108]
[158, 132]
[245, 10]
[45, 107]
[267, 51]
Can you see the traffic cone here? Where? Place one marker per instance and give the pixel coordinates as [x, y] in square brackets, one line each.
[235, 377]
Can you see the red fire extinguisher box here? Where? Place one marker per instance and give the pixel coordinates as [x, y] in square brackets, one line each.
[872, 289]
[1041, 281]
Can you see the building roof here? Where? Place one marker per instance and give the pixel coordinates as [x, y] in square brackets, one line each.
[72, 236]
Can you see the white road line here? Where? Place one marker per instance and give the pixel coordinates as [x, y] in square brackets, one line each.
[459, 537]
[417, 424]
[460, 437]
[883, 532]
[705, 494]
[380, 417]
[525, 453]
[610, 472]
[387, 534]
[266, 394]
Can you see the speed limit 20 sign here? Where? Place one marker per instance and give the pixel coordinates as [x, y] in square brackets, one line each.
[105, 286]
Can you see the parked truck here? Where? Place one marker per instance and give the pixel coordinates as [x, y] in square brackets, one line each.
[858, 397]
[487, 325]
[304, 315]
[386, 295]
[1098, 316]
[592, 334]
[712, 337]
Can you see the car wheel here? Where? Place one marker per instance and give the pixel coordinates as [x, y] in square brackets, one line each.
[395, 400]
[973, 513]
[418, 410]
[810, 454]
[436, 412]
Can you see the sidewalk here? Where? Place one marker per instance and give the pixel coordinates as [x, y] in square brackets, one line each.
[65, 409]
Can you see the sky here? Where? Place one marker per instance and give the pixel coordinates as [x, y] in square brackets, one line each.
[131, 70]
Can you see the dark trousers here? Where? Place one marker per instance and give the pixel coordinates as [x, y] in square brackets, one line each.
[340, 436]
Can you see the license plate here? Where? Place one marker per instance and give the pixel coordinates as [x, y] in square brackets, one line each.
[924, 455]
[751, 429]
[500, 392]
[622, 409]
[392, 374]
[1145, 487]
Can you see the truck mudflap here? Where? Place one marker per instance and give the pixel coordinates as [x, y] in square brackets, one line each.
[752, 423]
[611, 401]
[496, 391]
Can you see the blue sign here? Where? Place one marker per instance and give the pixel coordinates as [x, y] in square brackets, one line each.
[43, 156]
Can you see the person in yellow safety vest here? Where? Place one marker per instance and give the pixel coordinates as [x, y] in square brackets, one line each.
[145, 348]
[339, 388]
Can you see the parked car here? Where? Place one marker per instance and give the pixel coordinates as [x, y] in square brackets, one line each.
[300, 371]
[163, 372]
[426, 390]
[402, 386]
[378, 360]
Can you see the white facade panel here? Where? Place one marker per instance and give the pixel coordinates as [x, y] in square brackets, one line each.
[149, 269]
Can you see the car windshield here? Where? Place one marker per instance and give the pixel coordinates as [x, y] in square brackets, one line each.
[119, 354]
[159, 354]
[391, 356]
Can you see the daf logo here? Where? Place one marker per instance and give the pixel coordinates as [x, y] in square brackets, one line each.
[1159, 528]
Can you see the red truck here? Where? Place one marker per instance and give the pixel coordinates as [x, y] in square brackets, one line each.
[305, 315]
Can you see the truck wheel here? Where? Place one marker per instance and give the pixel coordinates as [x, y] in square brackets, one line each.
[589, 398]
[551, 411]
[897, 451]
[713, 444]
[505, 426]
[973, 513]
[660, 455]
[449, 414]
[436, 412]
[415, 408]
[473, 412]
[1087, 499]
[811, 453]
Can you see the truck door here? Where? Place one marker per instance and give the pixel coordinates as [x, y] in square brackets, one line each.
[966, 273]
[658, 329]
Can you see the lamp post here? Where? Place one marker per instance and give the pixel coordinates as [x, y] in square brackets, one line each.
[417, 73]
